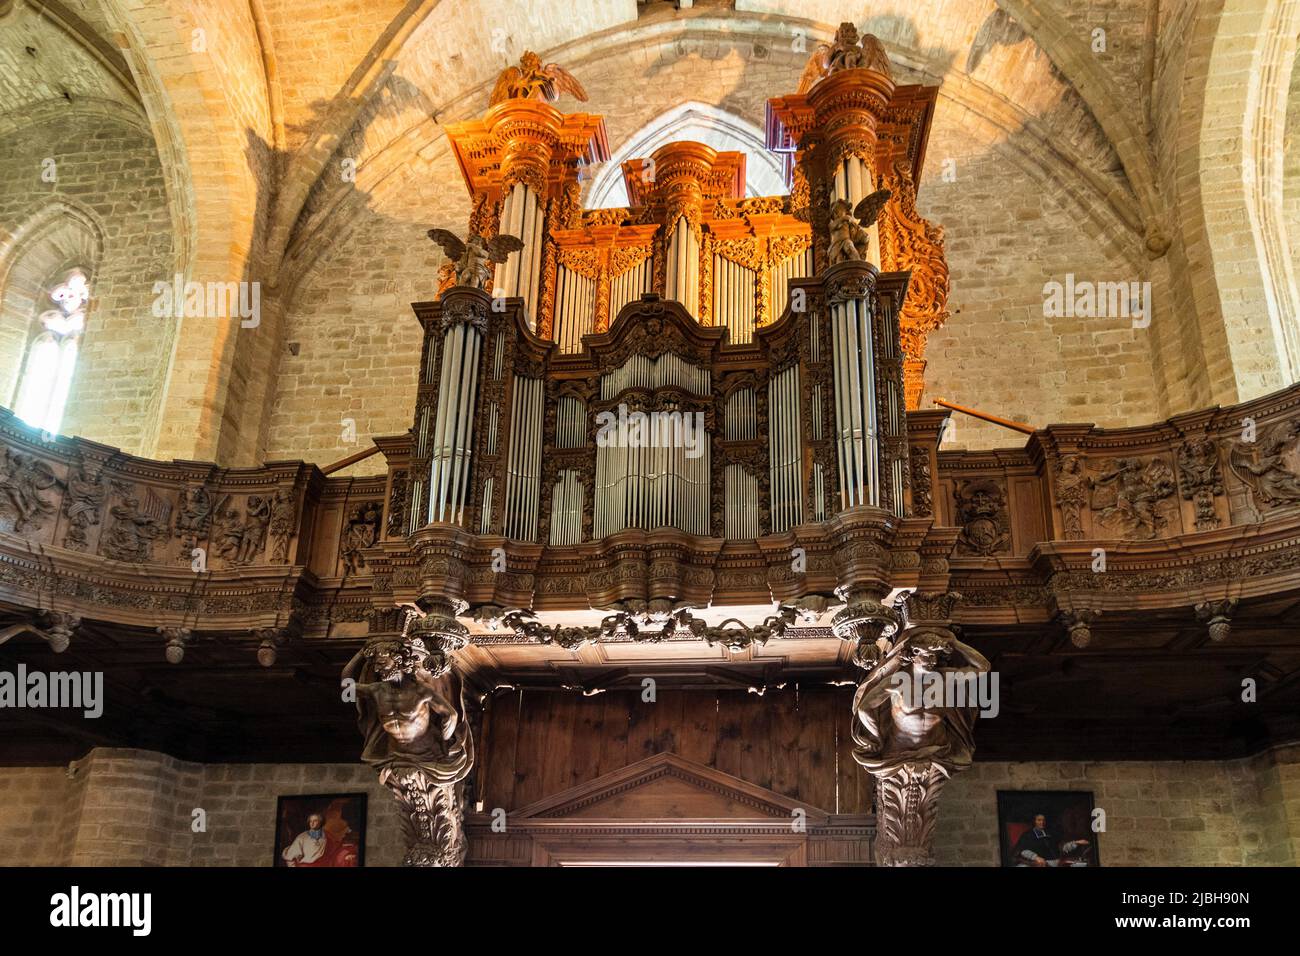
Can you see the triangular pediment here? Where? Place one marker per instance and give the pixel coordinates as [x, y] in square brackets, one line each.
[668, 788]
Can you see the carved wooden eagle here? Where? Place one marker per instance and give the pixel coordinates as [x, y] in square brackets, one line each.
[531, 80]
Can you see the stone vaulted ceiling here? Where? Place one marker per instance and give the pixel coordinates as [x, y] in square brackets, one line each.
[282, 126]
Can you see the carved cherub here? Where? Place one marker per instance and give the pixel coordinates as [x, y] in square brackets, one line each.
[475, 256]
[530, 80]
[845, 52]
[848, 226]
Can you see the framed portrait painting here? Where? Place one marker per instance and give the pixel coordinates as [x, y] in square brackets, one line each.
[1047, 828]
[324, 829]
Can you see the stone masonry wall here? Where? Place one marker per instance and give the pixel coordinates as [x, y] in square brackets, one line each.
[1158, 813]
[109, 170]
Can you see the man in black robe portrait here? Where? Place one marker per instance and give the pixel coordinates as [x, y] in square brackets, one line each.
[1038, 847]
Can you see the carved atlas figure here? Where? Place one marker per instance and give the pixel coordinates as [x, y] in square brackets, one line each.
[530, 80]
[417, 738]
[474, 256]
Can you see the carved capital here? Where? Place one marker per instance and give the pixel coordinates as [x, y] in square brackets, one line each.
[866, 622]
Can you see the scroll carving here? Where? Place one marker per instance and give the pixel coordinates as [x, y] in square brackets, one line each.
[909, 241]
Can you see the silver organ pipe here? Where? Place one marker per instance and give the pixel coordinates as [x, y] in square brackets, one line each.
[734, 288]
[575, 309]
[652, 468]
[566, 509]
[519, 275]
[682, 267]
[786, 450]
[453, 425]
[629, 286]
[796, 267]
[523, 471]
[856, 415]
[741, 506]
[741, 515]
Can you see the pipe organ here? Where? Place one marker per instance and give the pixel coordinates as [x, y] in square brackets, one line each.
[694, 362]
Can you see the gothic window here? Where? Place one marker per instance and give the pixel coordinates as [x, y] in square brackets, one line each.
[52, 355]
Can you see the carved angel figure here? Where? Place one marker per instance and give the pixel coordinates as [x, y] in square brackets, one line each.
[22, 481]
[195, 511]
[845, 52]
[475, 256]
[530, 80]
[1263, 467]
[894, 728]
[848, 226]
[86, 495]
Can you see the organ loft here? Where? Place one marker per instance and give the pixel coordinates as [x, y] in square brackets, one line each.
[677, 561]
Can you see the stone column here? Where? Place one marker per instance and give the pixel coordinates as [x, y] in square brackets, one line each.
[411, 711]
[911, 732]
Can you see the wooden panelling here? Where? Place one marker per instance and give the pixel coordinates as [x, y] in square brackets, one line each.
[794, 741]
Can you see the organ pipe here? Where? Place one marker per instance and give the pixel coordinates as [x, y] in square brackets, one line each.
[523, 473]
[856, 415]
[520, 274]
[786, 452]
[453, 423]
